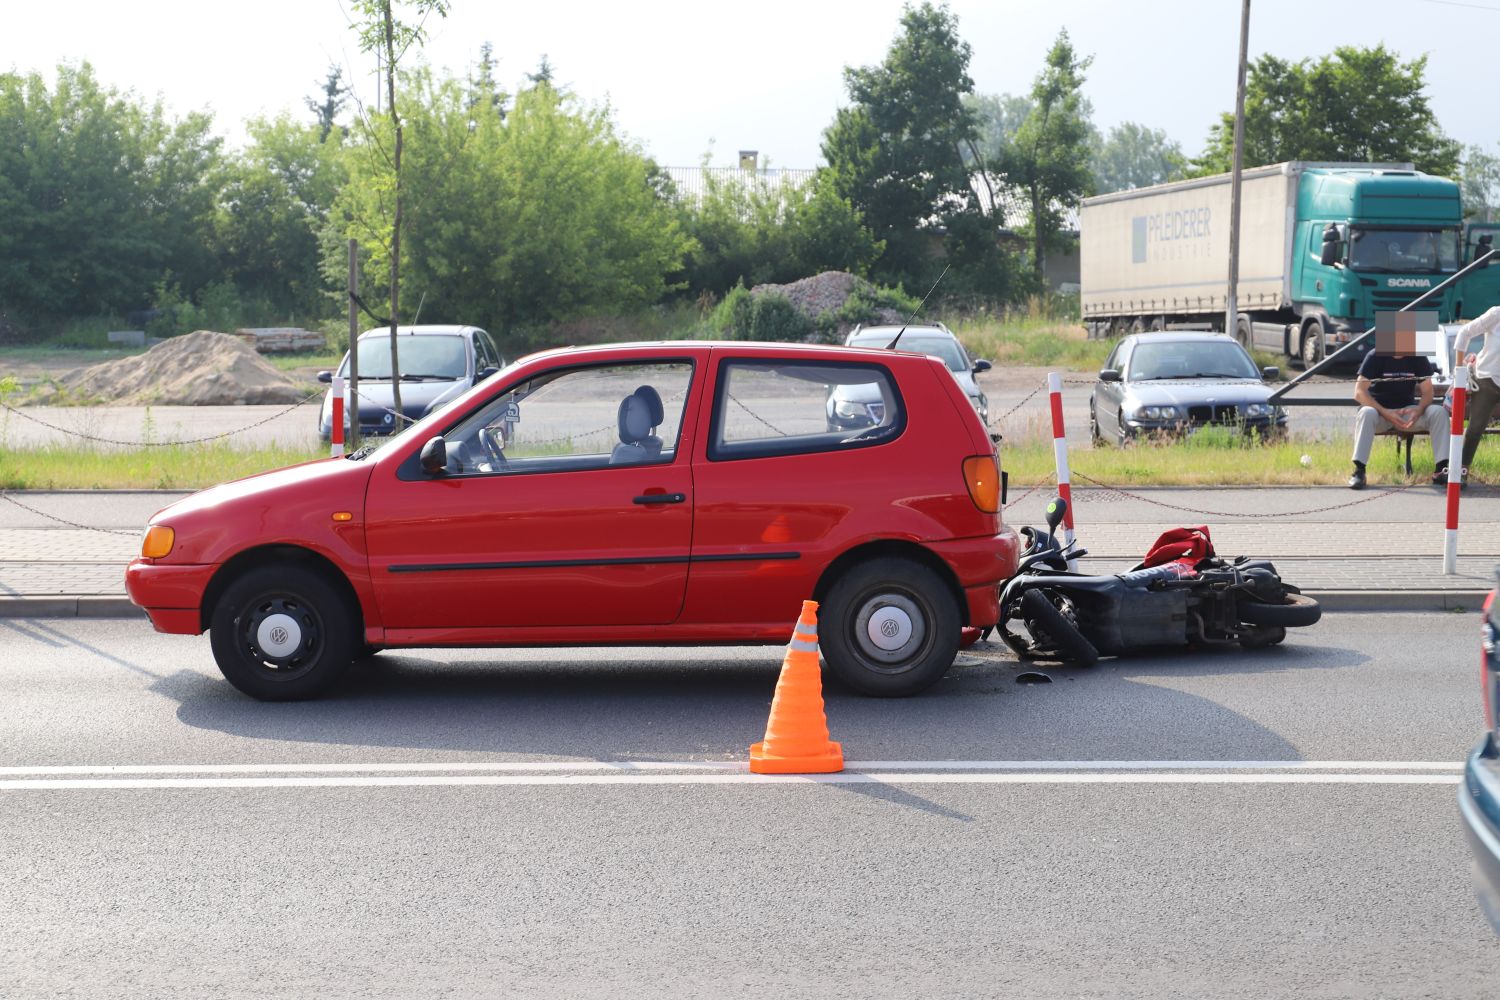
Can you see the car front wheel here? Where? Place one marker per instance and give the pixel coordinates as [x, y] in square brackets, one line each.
[283, 633]
[890, 627]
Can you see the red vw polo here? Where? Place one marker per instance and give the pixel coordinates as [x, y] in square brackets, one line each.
[644, 494]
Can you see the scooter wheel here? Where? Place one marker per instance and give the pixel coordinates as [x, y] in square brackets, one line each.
[1072, 645]
[1294, 611]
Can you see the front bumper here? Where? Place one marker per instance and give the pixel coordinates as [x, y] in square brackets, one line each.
[1479, 804]
[1264, 425]
[172, 595]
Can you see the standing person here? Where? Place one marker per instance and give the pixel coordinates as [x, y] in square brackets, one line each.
[1486, 381]
[1394, 390]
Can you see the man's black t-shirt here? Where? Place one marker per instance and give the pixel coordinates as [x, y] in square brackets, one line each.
[1403, 392]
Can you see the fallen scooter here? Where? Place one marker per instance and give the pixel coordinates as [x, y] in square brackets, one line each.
[1181, 594]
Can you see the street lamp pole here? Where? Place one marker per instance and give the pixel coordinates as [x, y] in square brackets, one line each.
[1232, 305]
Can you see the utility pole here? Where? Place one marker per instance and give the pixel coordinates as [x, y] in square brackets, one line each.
[1232, 304]
[353, 409]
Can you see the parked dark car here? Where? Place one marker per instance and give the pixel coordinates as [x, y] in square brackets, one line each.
[1479, 795]
[438, 363]
[1172, 383]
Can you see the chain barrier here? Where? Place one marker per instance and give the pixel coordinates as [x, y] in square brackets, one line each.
[1256, 516]
[4, 495]
[161, 444]
[1030, 490]
[997, 421]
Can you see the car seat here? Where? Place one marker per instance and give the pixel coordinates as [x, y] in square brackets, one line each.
[639, 415]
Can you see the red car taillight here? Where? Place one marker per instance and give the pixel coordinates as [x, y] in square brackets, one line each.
[1487, 671]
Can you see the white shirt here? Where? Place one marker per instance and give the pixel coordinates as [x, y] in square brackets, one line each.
[1486, 363]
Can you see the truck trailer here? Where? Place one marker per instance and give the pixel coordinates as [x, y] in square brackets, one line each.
[1323, 247]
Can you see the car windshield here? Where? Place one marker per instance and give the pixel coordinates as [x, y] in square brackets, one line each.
[435, 356]
[1372, 249]
[945, 348]
[1191, 359]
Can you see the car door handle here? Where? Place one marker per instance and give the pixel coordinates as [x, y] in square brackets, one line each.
[661, 498]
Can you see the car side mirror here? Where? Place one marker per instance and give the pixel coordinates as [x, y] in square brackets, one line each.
[1330, 255]
[1270, 373]
[1109, 375]
[325, 377]
[434, 456]
[982, 366]
[486, 372]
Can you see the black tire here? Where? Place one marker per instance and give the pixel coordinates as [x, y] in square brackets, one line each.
[312, 620]
[1094, 434]
[1264, 635]
[1157, 325]
[1072, 645]
[1138, 325]
[878, 603]
[1294, 611]
[1312, 343]
[1242, 330]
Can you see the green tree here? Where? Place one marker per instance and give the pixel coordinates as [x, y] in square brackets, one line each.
[484, 88]
[381, 31]
[1479, 184]
[1133, 156]
[996, 119]
[101, 196]
[329, 103]
[274, 204]
[1049, 155]
[896, 153]
[1355, 105]
[512, 223]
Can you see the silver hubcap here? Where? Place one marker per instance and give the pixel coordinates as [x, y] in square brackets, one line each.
[279, 635]
[890, 629]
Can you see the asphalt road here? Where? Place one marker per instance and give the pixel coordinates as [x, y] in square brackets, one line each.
[440, 826]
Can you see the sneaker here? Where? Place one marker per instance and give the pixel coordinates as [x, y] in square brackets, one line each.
[1440, 476]
[1357, 479]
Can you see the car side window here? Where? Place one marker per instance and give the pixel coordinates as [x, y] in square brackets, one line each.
[1114, 357]
[764, 408]
[491, 355]
[575, 419]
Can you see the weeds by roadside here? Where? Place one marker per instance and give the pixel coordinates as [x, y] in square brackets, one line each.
[56, 467]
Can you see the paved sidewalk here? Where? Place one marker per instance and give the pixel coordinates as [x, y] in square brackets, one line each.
[1368, 551]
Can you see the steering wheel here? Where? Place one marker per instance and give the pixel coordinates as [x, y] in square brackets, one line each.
[492, 449]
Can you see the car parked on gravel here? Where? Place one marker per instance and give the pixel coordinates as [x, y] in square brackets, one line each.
[648, 494]
[1174, 383]
[849, 406]
[1479, 794]
[438, 363]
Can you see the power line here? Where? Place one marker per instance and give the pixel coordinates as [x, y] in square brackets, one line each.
[1472, 6]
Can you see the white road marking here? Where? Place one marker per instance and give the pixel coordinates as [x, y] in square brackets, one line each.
[598, 773]
[507, 766]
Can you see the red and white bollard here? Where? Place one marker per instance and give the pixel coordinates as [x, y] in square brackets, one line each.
[1455, 468]
[1060, 453]
[337, 430]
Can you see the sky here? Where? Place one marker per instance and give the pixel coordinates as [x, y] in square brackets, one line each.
[687, 78]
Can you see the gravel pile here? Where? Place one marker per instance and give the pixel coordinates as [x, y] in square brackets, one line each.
[827, 292]
[203, 368]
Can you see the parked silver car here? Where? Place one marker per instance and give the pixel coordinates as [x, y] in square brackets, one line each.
[850, 406]
[1172, 383]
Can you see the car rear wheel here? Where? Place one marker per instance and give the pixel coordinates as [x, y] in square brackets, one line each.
[283, 633]
[890, 627]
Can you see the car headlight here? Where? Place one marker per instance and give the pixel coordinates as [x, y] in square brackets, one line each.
[1157, 413]
[1259, 410]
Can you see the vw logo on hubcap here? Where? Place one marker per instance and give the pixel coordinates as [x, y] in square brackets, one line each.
[278, 635]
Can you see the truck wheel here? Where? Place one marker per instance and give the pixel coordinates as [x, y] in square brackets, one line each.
[1312, 343]
[890, 627]
[1137, 325]
[283, 633]
[1242, 331]
[1157, 326]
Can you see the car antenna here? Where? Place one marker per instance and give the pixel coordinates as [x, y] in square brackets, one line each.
[892, 345]
[422, 302]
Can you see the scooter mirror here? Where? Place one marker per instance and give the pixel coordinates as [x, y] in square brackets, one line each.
[1056, 511]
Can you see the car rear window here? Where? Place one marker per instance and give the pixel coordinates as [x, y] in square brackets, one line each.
[764, 408]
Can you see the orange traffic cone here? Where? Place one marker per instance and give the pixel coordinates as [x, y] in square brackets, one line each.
[797, 733]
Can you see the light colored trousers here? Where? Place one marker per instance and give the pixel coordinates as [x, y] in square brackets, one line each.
[1369, 422]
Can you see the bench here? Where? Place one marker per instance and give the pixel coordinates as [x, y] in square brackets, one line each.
[1406, 436]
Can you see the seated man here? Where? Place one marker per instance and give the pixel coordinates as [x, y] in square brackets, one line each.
[1394, 390]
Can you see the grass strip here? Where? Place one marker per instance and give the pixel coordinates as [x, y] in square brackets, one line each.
[180, 467]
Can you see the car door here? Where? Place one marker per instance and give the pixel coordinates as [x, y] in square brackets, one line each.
[1107, 394]
[545, 514]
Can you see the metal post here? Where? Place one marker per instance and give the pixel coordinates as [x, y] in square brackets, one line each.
[353, 346]
[1232, 302]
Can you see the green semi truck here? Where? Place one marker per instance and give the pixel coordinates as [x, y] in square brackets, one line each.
[1323, 247]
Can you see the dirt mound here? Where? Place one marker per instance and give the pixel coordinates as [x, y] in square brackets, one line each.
[202, 368]
[828, 292]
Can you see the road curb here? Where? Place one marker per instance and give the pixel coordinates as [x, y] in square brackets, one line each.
[96, 606]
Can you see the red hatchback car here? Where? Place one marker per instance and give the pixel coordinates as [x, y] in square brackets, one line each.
[643, 494]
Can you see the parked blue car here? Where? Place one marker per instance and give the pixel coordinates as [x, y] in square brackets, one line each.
[1479, 795]
[438, 363]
